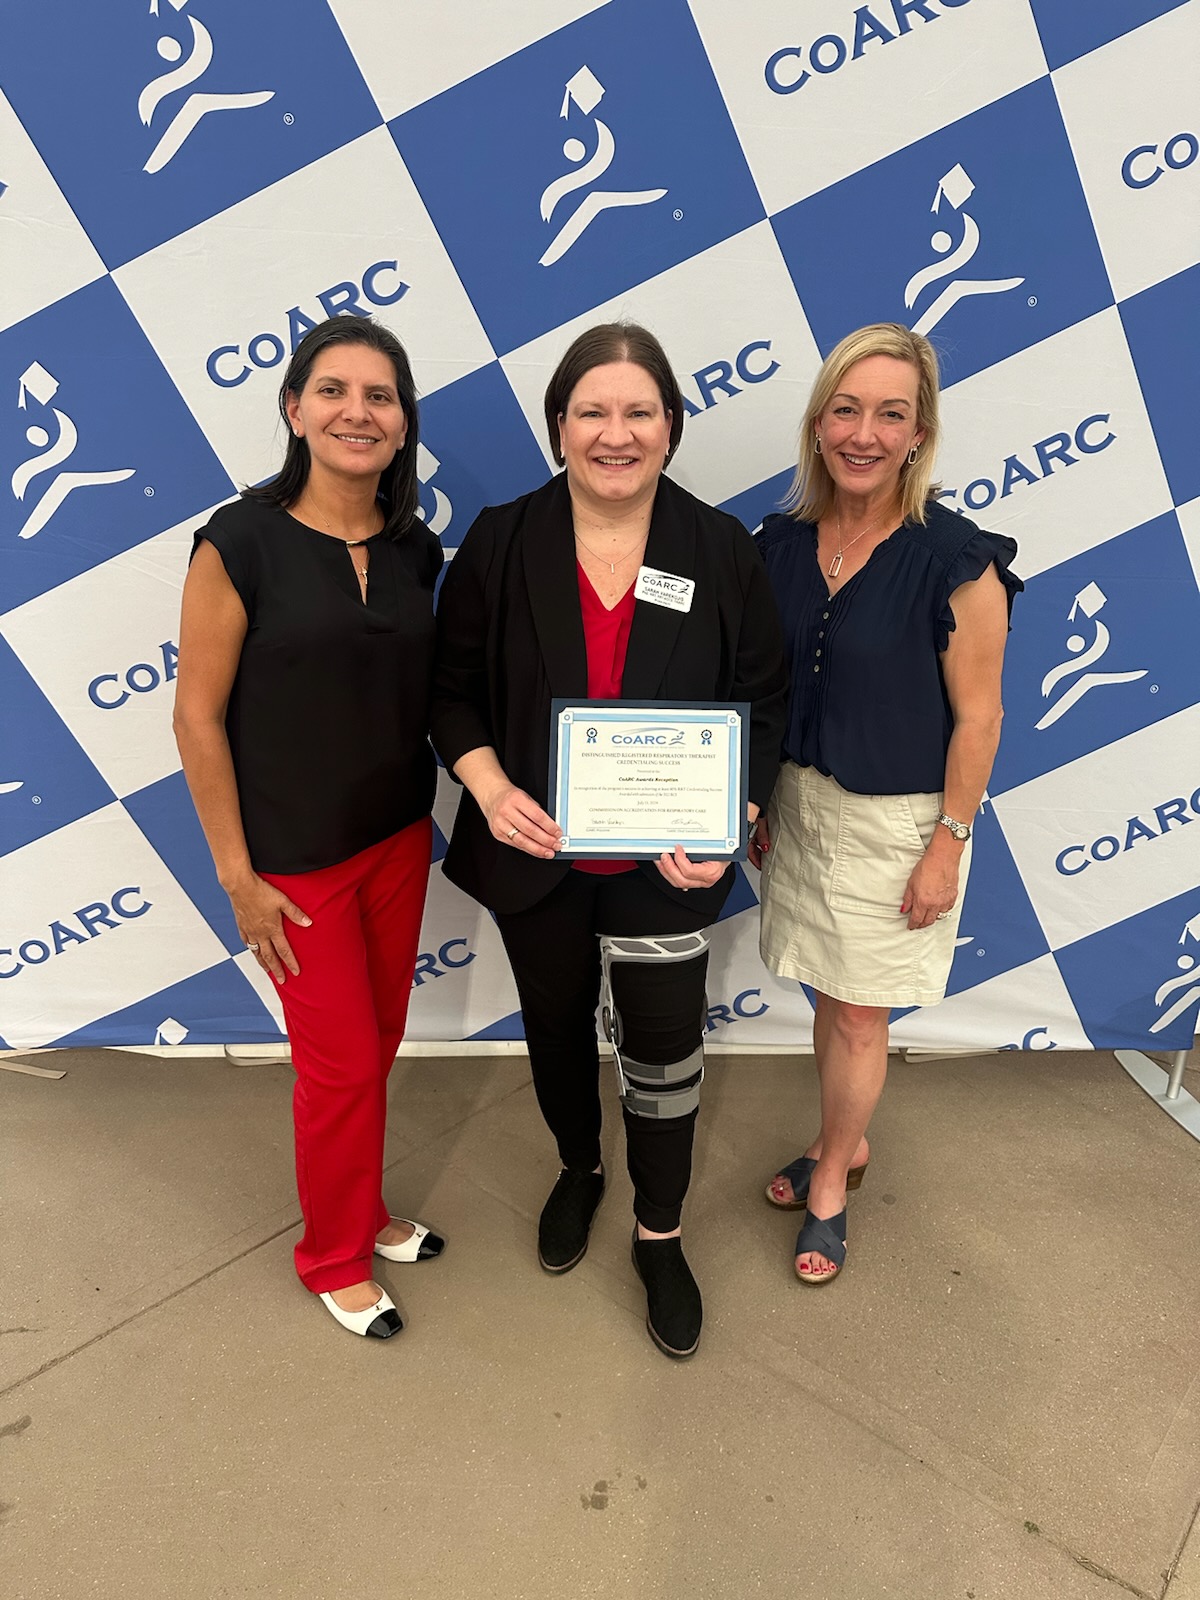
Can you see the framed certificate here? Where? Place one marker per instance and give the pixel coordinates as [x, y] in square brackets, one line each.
[631, 780]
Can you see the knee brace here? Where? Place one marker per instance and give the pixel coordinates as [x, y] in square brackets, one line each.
[651, 1089]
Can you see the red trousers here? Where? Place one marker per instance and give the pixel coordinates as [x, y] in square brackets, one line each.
[345, 1015]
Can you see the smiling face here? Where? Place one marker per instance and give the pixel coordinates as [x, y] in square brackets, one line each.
[349, 412]
[870, 425]
[614, 434]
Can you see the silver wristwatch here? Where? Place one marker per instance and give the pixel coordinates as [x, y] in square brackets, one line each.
[960, 830]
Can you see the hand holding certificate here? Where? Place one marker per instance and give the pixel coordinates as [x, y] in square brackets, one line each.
[629, 780]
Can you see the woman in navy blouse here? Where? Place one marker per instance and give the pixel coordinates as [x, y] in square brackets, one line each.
[896, 613]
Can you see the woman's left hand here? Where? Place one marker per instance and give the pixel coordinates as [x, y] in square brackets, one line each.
[932, 890]
[759, 842]
[678, 869]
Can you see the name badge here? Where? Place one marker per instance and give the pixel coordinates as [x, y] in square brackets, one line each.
[664, 589]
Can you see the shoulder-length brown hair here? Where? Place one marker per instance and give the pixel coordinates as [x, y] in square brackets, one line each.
[811, 495]
[600, 347]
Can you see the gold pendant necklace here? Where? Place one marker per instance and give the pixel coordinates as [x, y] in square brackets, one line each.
[353, 544]
[835, 566]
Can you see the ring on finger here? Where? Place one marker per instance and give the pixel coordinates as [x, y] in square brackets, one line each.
[942, 915]
[512, 834]
[252, 944]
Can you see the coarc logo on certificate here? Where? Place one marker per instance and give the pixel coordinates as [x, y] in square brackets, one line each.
[631, 780]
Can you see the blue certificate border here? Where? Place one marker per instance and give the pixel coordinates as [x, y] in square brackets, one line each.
[635, 847]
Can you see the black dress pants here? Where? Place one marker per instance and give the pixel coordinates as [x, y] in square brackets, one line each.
[554, 950]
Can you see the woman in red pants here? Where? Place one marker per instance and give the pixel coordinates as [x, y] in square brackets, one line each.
[301, 714]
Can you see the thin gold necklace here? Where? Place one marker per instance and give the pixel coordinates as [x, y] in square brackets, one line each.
[613, 565]
[315, 510]
[835, 566]
[350, 544]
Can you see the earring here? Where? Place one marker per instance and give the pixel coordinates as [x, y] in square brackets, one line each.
[912, 456]
[817, 444]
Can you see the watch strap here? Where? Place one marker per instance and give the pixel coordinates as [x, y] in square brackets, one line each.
[960, 830]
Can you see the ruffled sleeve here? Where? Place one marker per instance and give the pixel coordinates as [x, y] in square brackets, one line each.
[969, 562]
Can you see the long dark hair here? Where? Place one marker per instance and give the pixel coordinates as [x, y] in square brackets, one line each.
[398, 487]
[600, 347]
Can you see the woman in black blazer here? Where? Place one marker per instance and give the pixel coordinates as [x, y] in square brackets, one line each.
[539, 603]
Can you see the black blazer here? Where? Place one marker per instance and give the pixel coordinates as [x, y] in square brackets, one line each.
[510, 639]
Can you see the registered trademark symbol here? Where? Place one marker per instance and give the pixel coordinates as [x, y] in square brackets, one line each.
[288, 119]
[1153, 688]
[148, 492]
[678, 215]
[1032, 300]
[981, 951]
[35, 799]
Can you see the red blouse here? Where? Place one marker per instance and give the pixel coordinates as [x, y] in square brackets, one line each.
[606, 635]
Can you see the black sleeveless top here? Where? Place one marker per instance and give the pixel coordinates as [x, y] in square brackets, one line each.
[328, 718]
[868, 704]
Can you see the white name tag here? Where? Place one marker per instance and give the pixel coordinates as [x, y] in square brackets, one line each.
[664, 589]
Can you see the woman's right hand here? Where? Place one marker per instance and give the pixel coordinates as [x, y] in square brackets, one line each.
[260, 909]
[516, 819]
[759, 842]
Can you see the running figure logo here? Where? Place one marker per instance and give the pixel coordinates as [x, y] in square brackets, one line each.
[956, 188]
[1188, 982]
[43, 386]
[1090, 602]
[185, 71]
[586, 91]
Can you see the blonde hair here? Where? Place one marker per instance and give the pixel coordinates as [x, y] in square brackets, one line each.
[811, 495]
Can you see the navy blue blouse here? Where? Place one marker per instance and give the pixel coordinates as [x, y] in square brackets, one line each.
[868, 703]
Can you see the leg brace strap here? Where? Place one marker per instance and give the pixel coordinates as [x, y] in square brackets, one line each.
[651, 1090]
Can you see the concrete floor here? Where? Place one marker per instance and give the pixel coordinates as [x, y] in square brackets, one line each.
[998, 1401]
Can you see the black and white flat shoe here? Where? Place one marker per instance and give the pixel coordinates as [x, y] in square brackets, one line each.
[421, 1246]
[379, 1321]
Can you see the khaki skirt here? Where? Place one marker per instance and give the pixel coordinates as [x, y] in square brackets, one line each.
[832, 884]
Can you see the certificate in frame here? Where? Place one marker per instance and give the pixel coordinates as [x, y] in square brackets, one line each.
[630, 779]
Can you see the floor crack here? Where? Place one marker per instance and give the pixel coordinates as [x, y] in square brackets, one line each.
[1111, 1577]
[1169, 1574]
[143, 1311]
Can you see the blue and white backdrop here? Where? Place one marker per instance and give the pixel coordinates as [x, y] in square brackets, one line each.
[188, 185]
